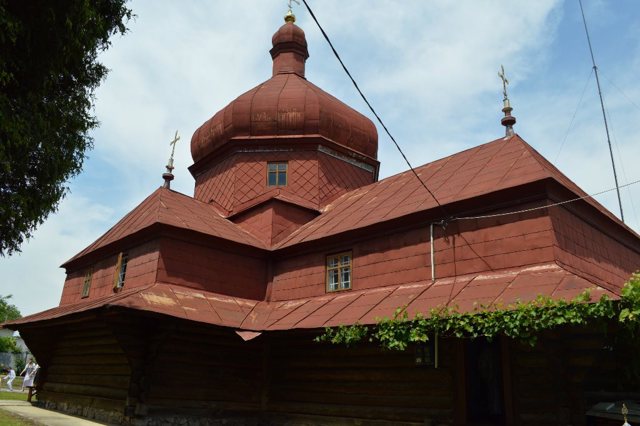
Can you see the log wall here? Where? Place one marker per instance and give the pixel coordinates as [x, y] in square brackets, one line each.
[566, 373]
[198, 372]
[312, 383]
[182, 371]
[143, 369]
[86, 372]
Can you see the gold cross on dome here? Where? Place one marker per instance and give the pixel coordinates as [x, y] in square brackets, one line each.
[505, 82]
[295, 1]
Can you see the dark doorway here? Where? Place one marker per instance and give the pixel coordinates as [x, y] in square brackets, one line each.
[485, 391]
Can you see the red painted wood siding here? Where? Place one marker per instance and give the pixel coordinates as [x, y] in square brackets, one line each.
[210, 269]
[404, 257]
[141, 270]
[590, 251]
[273, 221]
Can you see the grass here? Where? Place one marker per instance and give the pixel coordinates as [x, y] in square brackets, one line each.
[17, 383]
[14, 396]
[9, 419]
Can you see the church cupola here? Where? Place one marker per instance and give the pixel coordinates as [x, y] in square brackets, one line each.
[289, 52]
[285, 140]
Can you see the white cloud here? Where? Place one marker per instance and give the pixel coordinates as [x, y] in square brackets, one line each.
[34, 277]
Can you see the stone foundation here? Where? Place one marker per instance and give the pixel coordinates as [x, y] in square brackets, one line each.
[92, 413]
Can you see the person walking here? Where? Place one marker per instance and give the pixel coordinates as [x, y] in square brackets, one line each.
[9, 377]
[29, 373]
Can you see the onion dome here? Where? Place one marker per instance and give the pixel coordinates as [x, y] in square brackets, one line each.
[286, 106]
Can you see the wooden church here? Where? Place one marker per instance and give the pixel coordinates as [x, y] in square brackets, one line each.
[203, 309]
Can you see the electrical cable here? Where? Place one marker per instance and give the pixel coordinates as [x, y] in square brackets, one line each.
[545, 206]
[346, 70]
[344, 67]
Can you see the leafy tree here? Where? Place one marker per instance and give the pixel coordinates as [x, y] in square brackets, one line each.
[8, 344]
[20, 361]
[8, 312]
[48, 74]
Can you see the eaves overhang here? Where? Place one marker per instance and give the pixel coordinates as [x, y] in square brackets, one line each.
[466, 293]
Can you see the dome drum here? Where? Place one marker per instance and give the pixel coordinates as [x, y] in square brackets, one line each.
[284, 143]
[315, 175]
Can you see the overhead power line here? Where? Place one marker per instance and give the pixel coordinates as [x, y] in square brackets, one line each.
[546, 206]
[344, 67]
[595, 70]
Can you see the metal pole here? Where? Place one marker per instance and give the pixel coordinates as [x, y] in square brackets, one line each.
[604, 115]
[433, 255]
[435, 349]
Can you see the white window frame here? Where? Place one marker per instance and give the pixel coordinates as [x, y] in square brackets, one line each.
[339, 272]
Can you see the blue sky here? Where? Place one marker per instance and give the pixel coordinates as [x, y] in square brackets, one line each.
[428, 67]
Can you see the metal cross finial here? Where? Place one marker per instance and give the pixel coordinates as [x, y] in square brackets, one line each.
[173, 143]
[168, 176]
[295, 1]
[505, 82]
[508, 120]
[289, 16]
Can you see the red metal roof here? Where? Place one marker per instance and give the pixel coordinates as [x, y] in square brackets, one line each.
[168, 207]
[286, 105]
[468, 292]
[500, 164]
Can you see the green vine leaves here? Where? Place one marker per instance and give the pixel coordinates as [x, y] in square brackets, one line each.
[630, 303]
[523, 321]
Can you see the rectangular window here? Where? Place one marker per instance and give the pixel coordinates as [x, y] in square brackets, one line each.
[277, 174]
[87, 283]
[339, 271]
[120, 271]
